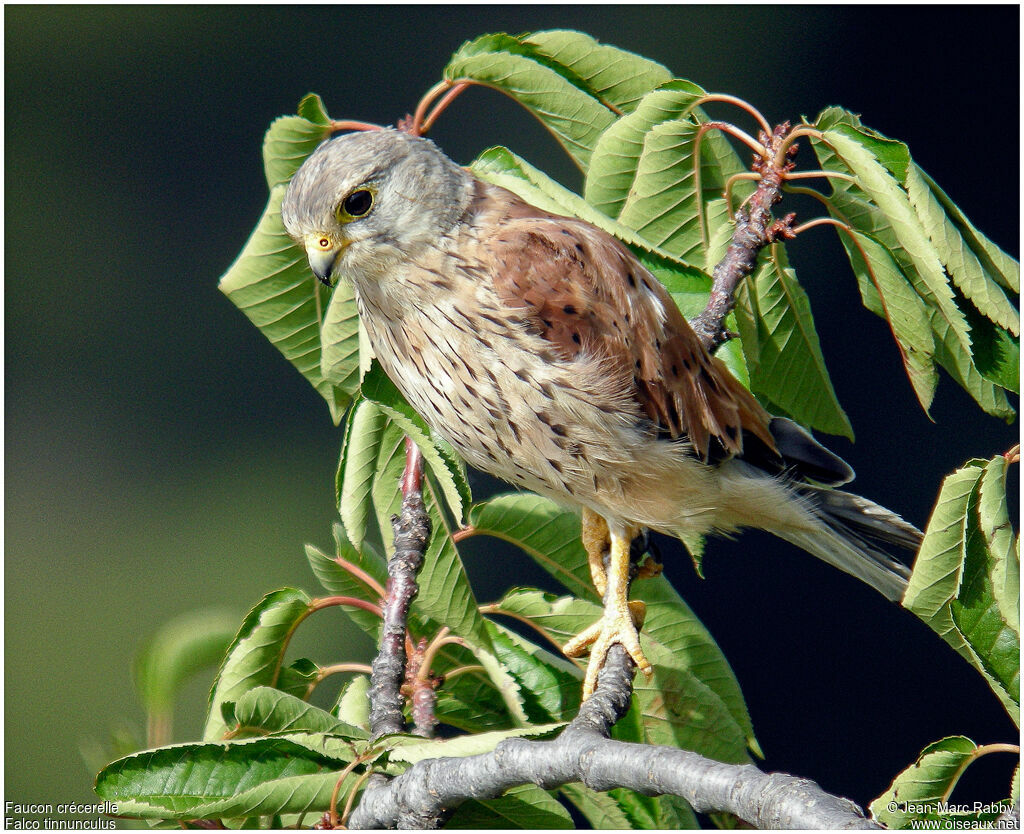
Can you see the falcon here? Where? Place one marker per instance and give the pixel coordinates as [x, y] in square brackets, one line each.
[549, 357]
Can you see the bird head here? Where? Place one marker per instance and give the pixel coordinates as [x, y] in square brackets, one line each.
[365, 201]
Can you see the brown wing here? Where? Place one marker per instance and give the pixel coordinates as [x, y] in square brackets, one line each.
[580, 289]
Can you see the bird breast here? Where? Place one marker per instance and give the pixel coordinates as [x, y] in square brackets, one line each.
[494, 390]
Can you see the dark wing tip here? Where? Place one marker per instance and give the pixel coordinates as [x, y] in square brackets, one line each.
[806, 457]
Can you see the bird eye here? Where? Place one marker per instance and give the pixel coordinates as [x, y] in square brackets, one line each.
[324, 243]
[358, 203]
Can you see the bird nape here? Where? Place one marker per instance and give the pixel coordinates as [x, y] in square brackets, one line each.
[549, 357]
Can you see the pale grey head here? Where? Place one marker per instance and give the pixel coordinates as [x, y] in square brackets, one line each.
[366, 201]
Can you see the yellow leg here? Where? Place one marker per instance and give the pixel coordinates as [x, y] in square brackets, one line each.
[620, 620]
[595, 542]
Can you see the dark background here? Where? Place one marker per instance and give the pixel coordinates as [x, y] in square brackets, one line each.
[161, 456]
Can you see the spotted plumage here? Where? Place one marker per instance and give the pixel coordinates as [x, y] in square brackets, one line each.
[547, 355]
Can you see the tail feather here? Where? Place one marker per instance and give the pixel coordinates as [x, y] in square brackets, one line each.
[853, 538]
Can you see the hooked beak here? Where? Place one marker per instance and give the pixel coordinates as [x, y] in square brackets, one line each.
[322, 262]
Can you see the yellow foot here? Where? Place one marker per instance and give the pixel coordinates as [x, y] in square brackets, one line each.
[617, 626]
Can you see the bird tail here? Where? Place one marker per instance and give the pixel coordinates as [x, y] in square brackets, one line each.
[856, 536]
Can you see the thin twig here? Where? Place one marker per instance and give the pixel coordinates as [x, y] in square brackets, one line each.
[754, 230]
[360, 574]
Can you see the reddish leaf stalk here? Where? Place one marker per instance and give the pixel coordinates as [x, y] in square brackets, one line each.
[361, 575]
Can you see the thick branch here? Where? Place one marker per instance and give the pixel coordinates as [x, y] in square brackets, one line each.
[412, 532]
[754, 230]
[430, 790]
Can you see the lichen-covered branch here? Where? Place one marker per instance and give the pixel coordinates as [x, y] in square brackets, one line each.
[754, 230]
[426, 794]
[412, 532]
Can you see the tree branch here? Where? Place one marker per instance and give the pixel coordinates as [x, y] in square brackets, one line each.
[412, 532]
[426, 794]
[754, 230]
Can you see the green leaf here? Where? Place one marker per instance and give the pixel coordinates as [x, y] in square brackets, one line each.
[312, 109]
[855, 149]
[939, 567]
[891, 153]
[996, 352]
[501, 166]
[886, 291]
[271, 284]
[445, 596]
[289, 141]
[997, 531]
[621, 808]
[976, 615]
[549, 533]
[602, 810]
[722, 227]
[663, 204]
[468, 703]
[364, 431]
[655, 812]
[679, 710]
[412, 749]
[441, 461]
[548, 90]
[951, 586]
[297, 677]
[255, 655]
[961, 366]
[180, 648]
[927, 782]
[387, 479]
[522, 807]
[614, 76]
[233, 780]
[354, 702]
[340, 582]
[996, 263]
[966, 270]
[674, 812]
[782, 348]
[549, 685]
[339, 341]
[614, 163]
[848, 203]
[672, 624]
[272, 711]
